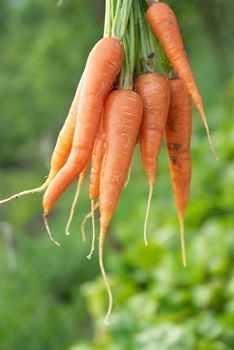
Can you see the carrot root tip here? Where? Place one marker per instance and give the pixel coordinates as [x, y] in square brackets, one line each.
[182, 240]
[25, 193]
[73, 207]
[45, 218]
[103, 272]
[129, 176]
[90, 254]
[203, 116]
[93, 229]
[147, 213]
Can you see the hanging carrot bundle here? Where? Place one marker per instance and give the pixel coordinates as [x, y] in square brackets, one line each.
[107, 118]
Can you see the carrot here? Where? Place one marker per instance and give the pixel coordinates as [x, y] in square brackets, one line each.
[154, 90]
[103, 65]
[178, 137]
[122, 118]
[79, 185]
[165, 26]
[62, 148]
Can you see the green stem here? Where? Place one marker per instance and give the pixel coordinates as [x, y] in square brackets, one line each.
[147, 52]
[107, 25]
[126, 74]
[120, 22]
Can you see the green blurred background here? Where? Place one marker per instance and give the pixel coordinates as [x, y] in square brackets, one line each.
[54, 298]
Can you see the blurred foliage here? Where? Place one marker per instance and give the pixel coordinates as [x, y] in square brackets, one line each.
[53, 298]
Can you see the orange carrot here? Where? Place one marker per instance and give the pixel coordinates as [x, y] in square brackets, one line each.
[154, 90]
[62, 148]
[103, 65]
[165, 26]
[122, 118]
[79, 185]
[178, 137]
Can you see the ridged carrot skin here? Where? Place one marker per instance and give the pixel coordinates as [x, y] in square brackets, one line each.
[165, 26]
[154, 90]
[97, 158]
[178, 138]
[122, 118]
[103, 66]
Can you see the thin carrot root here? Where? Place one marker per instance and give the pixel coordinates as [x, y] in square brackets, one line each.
[102, 268]
[182, 239]
[147, 213]
[87, 216]
[93, 230]
[129, 176]
[202, 113]
[45, 218]
[25, 193]
[73, 207]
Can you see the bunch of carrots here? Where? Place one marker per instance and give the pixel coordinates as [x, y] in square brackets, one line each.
[121, 100]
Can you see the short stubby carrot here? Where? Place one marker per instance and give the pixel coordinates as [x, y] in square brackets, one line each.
[122, 118]
[154, 90]
[165, 26]
[178, 138]
[62, 148]
[103, 65]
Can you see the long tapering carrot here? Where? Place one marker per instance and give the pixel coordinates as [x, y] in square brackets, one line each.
[178, 137]
[154, 90]
[122, 118]
[62, 148]
[103, 65]
[165, 26]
